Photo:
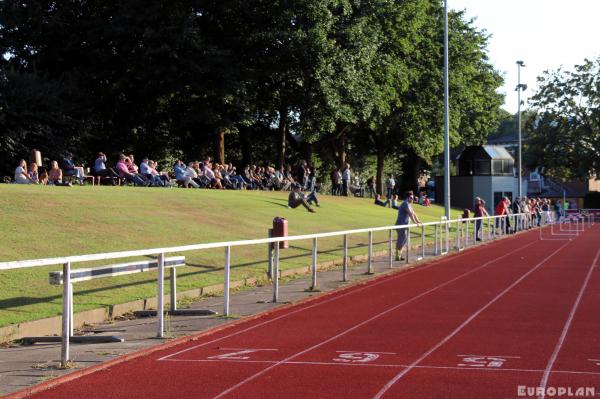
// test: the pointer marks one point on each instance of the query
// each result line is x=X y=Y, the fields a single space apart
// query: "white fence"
x=467 y=231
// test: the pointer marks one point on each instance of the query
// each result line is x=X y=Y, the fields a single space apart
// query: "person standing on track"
x=405 y=213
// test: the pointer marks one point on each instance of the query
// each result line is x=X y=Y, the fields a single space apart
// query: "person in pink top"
x=124 y=171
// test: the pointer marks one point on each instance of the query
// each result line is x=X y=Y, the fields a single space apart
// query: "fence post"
x=458 y=235
x=71 y=310
x=345 y=260
x=276 y=274
x=435 y=238
x=161 y=296
x=407 y=244
x=370 y=261
x=270 y=254
x=422 y=242
x=390 y=249
x=467 y=233
x=226 y=280
x=66 y=315
x=314 y=264
x=173 y=281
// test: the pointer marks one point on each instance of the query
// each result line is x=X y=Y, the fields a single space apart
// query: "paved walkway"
x=25 y=366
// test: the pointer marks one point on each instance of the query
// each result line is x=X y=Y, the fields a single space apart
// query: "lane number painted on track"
x=484 y=361
x=358 y=357
x=237 y=354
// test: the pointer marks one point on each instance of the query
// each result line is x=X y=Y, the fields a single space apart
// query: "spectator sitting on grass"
x=393 y=202
x=33 y=173
x=378 y=200
x=182 y=176
x=21 y=176
x=426 y=201
x=55 y=175
x=296 y=198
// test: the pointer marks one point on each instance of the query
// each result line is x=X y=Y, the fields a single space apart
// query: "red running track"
x=492 y=322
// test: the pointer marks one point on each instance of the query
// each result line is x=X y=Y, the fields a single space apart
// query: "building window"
x=482 y=168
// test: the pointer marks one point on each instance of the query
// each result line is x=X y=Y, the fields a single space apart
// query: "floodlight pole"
x=446 y=119
x=519 y=87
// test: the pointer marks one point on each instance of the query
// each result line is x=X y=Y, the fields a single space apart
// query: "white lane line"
x=387 y=386
x=565 y=330
x=351 y=291
x=361 y=324
x=506 y=357
x=390 y=365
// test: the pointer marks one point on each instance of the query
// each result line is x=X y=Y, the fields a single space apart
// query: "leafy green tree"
x=565 y=125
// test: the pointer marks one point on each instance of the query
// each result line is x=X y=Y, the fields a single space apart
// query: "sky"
x=545 y=34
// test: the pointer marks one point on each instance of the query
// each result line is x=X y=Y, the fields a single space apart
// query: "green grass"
x=43 y=222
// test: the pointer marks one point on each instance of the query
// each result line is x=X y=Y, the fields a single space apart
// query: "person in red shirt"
x=502 y=210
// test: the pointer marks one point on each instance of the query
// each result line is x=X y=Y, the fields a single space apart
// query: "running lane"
x=360 y=361
x=382 y=324
x=576 y=361
x=506 y=348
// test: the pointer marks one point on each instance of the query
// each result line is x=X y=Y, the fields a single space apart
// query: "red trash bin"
x=280 y=229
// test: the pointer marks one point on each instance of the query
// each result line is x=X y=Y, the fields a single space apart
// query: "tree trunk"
x=281 y=136
x=307 y=151
x=380 y=164
x=220 y=147
x=341 y=151
x=411 y=166
x=245 y=140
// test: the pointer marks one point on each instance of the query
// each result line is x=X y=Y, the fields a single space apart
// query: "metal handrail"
x=521 y=221
x=184 y=248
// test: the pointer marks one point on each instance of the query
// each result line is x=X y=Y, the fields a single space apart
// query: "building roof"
x=485 y=152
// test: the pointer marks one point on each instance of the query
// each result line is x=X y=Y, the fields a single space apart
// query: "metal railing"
x=484 y=229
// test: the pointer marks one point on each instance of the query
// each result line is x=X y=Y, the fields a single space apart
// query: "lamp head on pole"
x=521 y=63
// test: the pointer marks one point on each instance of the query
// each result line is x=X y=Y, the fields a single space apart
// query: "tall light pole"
x=519 y=88
x=446 y=118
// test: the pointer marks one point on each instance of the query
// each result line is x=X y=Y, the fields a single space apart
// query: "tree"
x=565 y=124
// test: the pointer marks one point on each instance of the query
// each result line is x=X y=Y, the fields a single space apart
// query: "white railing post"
x=435 y=238
x=345 y=260
x=71 y=311
x=407 y=244
x=173 y=281
x=226 y=280
x=314 y=264
x=422 y=242
x=467 y=233
x=447 y=223
x=390 y=249
x=66 y=315
x=270 y=254
x=458 y=235
x=370 y=256
x=161 y=296
x=276 y=273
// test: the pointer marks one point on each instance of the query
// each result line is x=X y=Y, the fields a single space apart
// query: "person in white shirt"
x=21 y=176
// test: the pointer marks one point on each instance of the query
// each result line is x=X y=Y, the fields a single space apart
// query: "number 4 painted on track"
x=238 y=355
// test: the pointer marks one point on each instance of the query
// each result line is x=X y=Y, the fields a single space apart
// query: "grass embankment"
x=43 y=222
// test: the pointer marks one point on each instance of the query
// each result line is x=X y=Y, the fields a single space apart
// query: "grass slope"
x=42 y=222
